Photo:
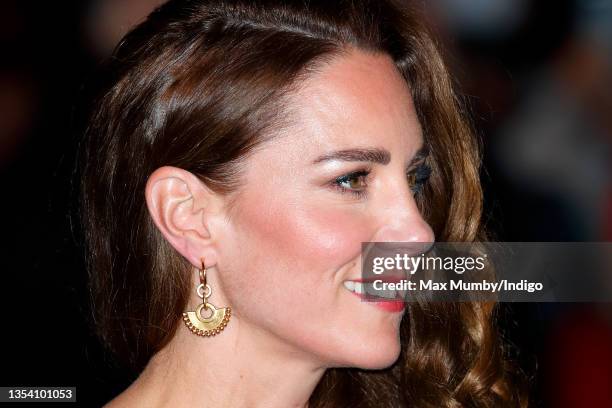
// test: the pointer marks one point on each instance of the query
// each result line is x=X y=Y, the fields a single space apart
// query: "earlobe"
x=179 y=205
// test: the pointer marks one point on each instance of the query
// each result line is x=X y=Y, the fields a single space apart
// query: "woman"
x=252 y=147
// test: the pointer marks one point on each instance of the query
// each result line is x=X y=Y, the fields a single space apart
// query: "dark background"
x=536 y=73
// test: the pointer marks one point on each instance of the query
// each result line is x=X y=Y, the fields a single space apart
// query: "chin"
x=372 y=353
x=379 y=358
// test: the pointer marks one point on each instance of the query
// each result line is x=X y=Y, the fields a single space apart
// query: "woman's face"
x=295 y=235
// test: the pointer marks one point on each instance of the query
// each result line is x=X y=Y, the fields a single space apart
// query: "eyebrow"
x=374 y=155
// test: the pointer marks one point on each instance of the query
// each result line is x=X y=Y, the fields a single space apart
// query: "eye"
x=354 y=183
x=418 y=177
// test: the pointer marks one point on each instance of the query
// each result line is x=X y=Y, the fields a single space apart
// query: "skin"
x=280 y=256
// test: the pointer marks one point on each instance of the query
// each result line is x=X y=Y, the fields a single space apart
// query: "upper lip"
x=384 y=278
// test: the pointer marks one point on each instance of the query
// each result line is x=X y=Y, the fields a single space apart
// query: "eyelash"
x=349 y=176
x=421 y=174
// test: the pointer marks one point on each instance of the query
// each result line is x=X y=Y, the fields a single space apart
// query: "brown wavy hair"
x=198 y=85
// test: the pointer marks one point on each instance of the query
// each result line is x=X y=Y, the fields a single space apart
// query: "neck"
x=240 y=367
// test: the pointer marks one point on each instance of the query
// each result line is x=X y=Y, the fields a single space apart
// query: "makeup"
x=388 y=300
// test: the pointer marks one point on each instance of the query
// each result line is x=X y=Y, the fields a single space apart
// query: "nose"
x=401 y=225
x=402 y=231
x=409 y=228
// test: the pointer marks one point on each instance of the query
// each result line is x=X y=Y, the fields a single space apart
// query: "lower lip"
x=393 y=306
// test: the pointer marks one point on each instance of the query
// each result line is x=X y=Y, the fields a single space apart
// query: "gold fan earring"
x=219 y=317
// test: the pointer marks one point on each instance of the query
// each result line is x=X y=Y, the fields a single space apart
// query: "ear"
x=183 y=208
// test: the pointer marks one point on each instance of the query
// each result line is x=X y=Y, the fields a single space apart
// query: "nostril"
x=391 y=250
x=416 y=246
x=405 y=247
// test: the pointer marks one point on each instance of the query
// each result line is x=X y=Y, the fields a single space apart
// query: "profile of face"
x=310 y=197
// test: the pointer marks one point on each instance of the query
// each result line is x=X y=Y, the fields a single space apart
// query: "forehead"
x=357 y=99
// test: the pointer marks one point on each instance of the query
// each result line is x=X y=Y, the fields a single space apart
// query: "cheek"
x=313 y=234
x=299 y=248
